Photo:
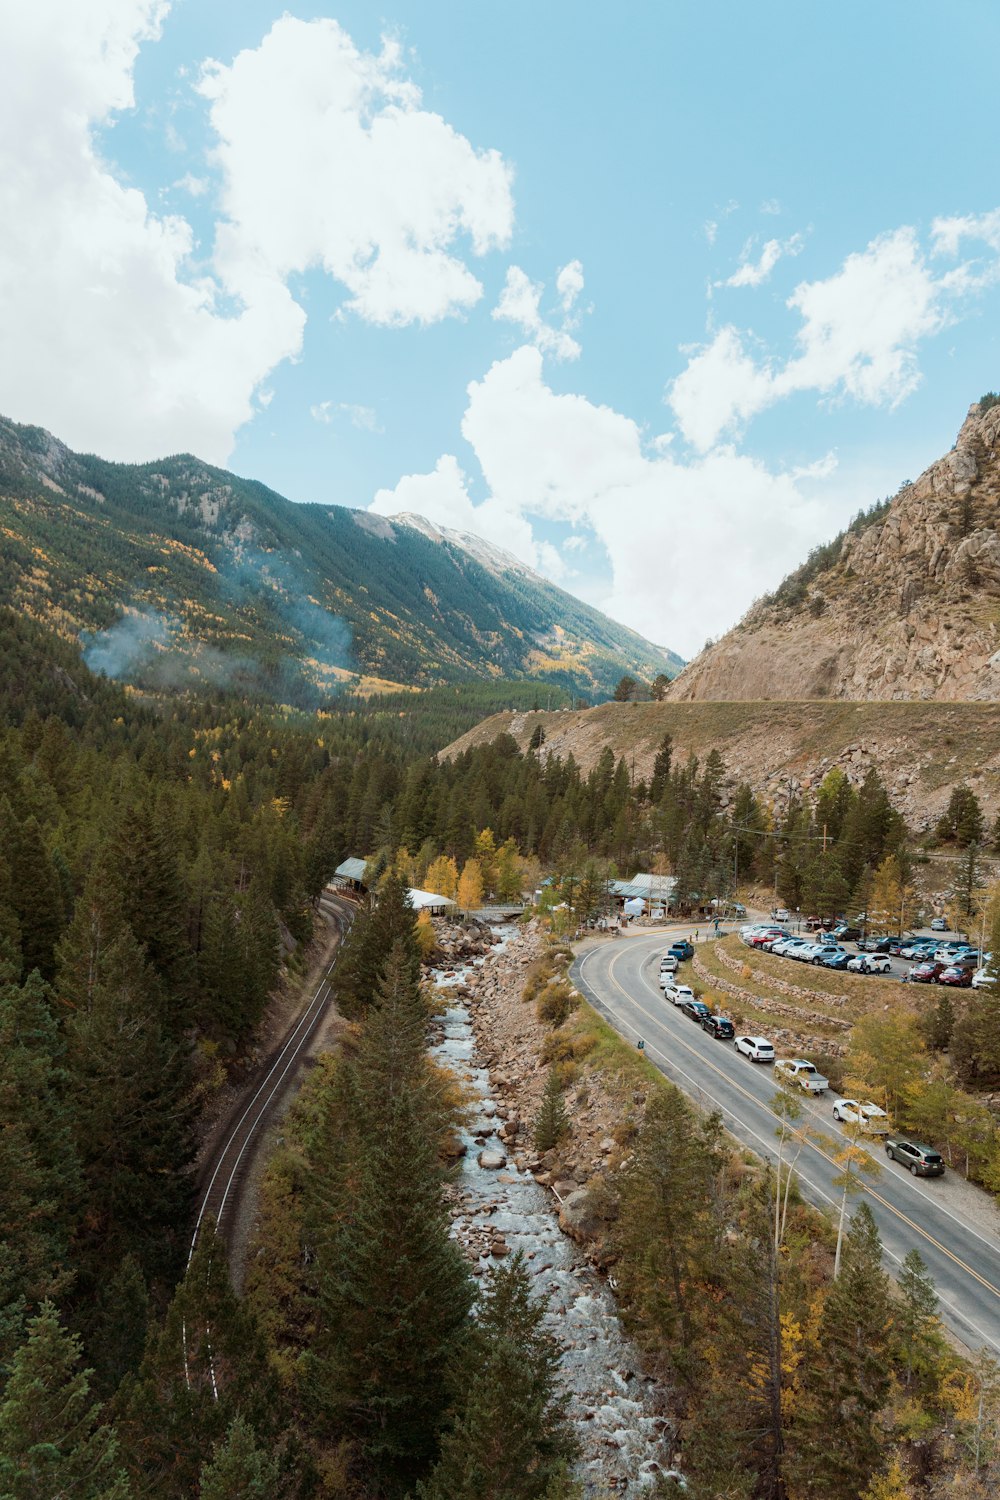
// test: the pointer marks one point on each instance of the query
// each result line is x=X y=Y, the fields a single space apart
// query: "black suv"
x=719 y=1026
x=845 y=934
x=921 y=1160
x=696 y=1009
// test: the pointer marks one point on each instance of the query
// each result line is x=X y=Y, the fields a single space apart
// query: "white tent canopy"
x=635 y=907
x=428 y=900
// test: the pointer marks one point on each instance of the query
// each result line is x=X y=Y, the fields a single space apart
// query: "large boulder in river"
x=578 y=1218
x=492 y=1161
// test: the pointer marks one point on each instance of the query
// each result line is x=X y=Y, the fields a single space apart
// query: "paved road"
x=620 y=980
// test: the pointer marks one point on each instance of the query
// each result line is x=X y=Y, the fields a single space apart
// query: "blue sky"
x=655 y=297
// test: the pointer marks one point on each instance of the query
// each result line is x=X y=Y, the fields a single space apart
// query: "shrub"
x=990 y=399
x=555 y=1002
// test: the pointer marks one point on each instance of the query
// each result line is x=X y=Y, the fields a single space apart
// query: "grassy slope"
x=938 y=744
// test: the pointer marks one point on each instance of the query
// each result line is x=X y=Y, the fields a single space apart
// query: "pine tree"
x=130 y=1088
x=240 y=1469
x=37 y=897
x=51 y=1440
x=848 y=1379
x=551 y=1124
x=665 y=1224
x=393 y=1289
x=39 y=1167
x=206 y=1364
x=386 y=920
x=917 y=1335
x=511 y=1439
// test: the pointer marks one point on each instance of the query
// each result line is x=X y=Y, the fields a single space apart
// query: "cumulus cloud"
x=128 y=341
x=121 y=347
x=442 y=496
x=755 y=273
x=329 y=161
x=858 y=337
x=520 y=303
x=559 y=457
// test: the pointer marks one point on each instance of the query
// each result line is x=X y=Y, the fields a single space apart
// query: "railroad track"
x=224 y=1174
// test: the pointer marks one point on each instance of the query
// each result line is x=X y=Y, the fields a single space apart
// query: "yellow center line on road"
x=904 y=1218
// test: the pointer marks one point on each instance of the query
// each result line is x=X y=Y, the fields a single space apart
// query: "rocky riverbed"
x=505 y=1200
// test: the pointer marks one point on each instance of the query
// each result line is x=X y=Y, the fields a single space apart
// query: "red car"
x=956 y=975
x=761 y=939
x=926 y=973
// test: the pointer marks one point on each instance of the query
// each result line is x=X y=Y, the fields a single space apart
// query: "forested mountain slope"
x=905 y=604
x=177 y=573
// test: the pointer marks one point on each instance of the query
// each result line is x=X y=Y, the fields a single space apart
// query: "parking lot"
x=899 y=969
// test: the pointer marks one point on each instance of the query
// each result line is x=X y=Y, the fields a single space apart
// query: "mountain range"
x=176 y=573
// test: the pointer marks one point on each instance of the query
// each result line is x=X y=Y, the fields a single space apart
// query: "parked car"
x=757 y=1048
x=871 y=963
x=925 y=973
x=919 y=948
x=939 y=925
x=807 y=952
x=739 y=910
x=825 y=951
x=682 y=949
x=758 y=939
x=921 y=1160
x=845 y=934
x=956 y=975
x=720 y=1027
x=678 y=993
x=802 y=1074
x=668 y=963
x=781 y=914
x=868 y=1117
x=786 y=948
x=695 y=1010
x=839 y=960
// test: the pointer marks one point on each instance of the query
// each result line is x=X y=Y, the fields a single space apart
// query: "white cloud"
x=127 y=344
x=363 y=417
x=569 y=284
x=948 y=233
x=755 y=273
x=442 y=496
x=120 y=346
x=771 y=206
x=520 y=303
x=559 y=457
x=196 y=187
x=860 y=329
x=329 y=161
x=721 y=386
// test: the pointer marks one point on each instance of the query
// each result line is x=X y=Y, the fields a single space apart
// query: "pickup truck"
x=806 y=1077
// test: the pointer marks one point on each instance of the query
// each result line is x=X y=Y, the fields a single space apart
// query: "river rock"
x=492 y=1161
x=577 y=1218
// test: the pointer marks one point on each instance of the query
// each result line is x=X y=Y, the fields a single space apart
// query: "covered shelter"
x=430 y=901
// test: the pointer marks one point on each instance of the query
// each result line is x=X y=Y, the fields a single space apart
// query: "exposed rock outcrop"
x=910 y=609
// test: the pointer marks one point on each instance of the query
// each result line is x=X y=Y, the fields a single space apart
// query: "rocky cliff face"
x=910 y=609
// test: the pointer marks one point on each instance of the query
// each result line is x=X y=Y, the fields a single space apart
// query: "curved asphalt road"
x=620 y=979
